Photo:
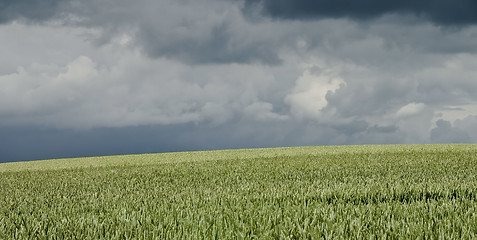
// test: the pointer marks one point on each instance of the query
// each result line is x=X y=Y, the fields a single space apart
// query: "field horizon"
x=99 y=160
x=314 y=192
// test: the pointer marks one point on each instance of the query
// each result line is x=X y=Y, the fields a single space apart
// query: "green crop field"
x=345 y=192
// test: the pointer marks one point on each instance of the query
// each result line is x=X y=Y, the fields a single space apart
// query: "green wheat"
x=346 y=192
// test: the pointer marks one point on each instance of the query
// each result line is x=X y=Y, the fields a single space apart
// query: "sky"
x=106 y=77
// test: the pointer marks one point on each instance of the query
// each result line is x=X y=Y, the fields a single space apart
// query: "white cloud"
x=308 y=97
x=263 y=111
x=410 y=109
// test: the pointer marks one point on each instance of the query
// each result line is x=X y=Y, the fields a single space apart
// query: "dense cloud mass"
x=31 y=10
x=111 y=77
x=441 y=12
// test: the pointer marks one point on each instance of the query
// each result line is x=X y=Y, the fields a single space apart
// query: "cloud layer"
x=441 y=12
x=210 y=74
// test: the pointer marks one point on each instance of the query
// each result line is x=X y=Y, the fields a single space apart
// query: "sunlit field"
x=358 y=192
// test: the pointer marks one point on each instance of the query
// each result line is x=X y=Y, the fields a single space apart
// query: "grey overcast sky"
x=101 y=77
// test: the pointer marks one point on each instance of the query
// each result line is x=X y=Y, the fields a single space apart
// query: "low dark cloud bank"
x=33 y=143
x=439 y=11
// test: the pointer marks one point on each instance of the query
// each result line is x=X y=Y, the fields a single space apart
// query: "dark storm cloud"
x=194 y=32
x=213 y=31
x=32 y=143
x=219 y=46
x=29 y=10
x=20 y=143
x=439 y=11
x=445 y=133
x=356 y=126
x=468 y=125
x=383 y=129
